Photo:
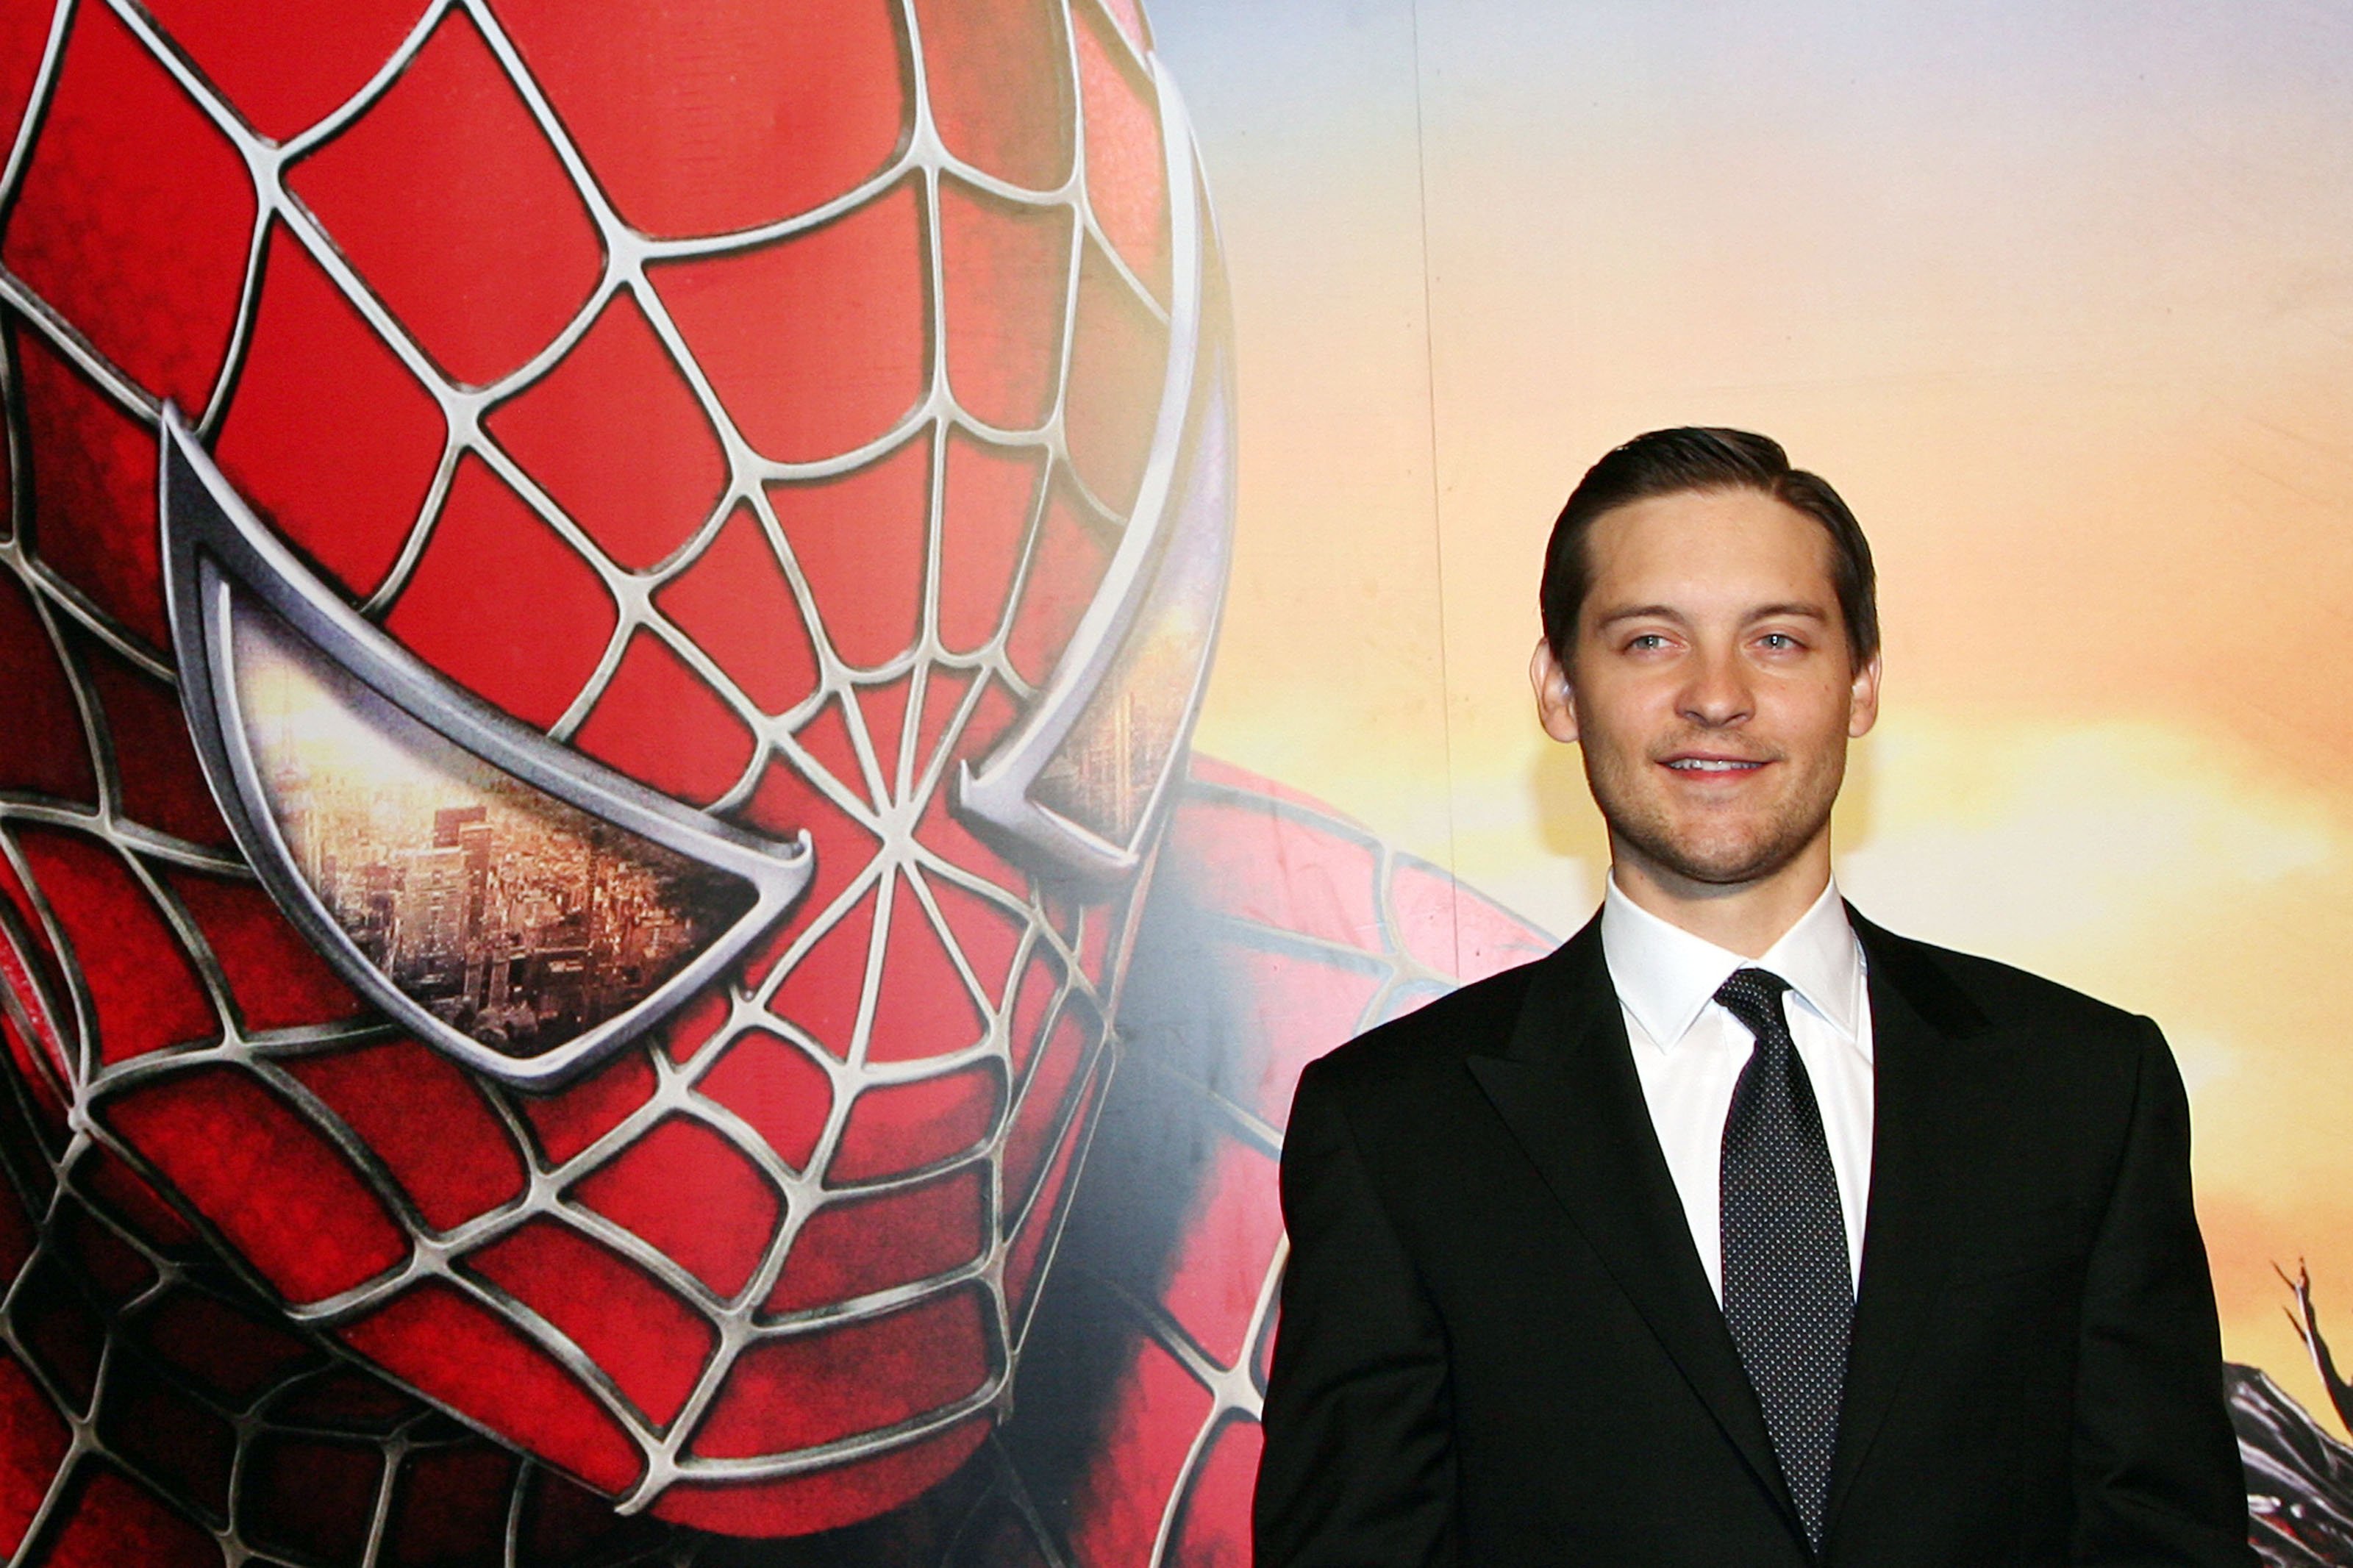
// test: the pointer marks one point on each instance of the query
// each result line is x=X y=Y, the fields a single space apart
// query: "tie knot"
x=1753 y=997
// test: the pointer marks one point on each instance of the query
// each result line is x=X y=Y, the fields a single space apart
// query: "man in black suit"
x=1739 y=1231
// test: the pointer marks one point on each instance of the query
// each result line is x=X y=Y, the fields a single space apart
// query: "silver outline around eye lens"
x=221 y=564
x=1186 y=481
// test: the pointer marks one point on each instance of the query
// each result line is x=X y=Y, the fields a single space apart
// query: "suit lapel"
x=1917 y=1015
x=1565 y=1088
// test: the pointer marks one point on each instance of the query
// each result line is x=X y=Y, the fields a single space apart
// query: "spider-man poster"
x=689 y=695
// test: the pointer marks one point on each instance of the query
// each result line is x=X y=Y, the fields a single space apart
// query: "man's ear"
x=1864 y=713
x=1555 y=701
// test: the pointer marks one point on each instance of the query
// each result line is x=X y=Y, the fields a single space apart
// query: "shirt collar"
x=1665 y=976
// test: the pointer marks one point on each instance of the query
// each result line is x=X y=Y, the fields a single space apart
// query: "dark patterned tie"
x=1788 y=1298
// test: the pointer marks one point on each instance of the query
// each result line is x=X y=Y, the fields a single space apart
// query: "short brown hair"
x=1700 y=458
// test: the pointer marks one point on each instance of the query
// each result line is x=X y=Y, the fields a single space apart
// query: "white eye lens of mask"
x=515 y=905
x=1080 y=782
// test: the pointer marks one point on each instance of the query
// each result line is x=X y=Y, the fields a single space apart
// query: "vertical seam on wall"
x=1437 y=529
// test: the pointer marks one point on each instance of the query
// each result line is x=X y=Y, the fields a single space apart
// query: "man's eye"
x=1778 y=640
x=1646 y=640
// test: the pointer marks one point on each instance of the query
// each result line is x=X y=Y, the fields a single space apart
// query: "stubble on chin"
x=1712 y=853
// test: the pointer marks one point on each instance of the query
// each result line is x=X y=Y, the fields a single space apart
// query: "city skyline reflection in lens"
x=517 y=919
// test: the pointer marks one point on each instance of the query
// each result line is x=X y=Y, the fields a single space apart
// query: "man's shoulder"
x=1970 y=992
x=1407 y=1052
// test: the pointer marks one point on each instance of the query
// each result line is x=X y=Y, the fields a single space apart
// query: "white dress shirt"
x=1688 y=1050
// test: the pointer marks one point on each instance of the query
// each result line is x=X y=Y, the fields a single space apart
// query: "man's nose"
x=1717 y=693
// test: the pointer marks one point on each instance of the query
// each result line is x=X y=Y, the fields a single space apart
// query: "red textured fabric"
x=451 y=1349
x=33 y=1442
x=1325 y=990
x=1041 y=980
x=1099 y=943
x=1007 y=273
x=1042 y=1222
x=737 y=606
x=221 y=1347
x=285 y=64
x=1127 y=168
x=860 y=1245
x=1160 y=1408
x=487 y=546
x=266 y=1179
x=774 y=1085
x=93 y=483
x=24 y=38
x=825 y=735
x=276 y=979
x=569 y=1121
x=1045 y=1101
x=347 y=1399
x=165 y=1434
x=815 y=345
x=329 y=437
x=102 y=1257
x=944 y=693
x=1213 y=1531
x=900 y=1127
x=984 y=931
x=784 y=804
x=862 y=1376
x=981 y=55
x=36 y=1067
x=163 y=784
x=449 y=200
x=1235 y=1223
x=824 y=1500
x=1274 y=869
x=47 y=751
x=694 y=1025
x=127 y=1196
x=424 y=1118
x=820 y=993
x=719 y=1235
x=990 y=493
x=704 y=120
x=882 y=708
x=134 y=214
x=16 y=1238
x=922 y=1007
x=661 y=724
x=61 y=1335
x=1452 y=929
x=562 y=1521
x=1065 y=564
x=111 y=1522
x=450 y=1508
x=860 y=541
x=1131 y=20
x=1119 y=356
x=614 y=434
x=142 y=988
x=945 y=836
x=651 y=1343
x=313 y=1499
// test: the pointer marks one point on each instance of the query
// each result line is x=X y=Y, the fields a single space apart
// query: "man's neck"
x=1746 y=918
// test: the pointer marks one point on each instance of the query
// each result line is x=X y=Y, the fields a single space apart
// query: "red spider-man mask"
x=687 y=548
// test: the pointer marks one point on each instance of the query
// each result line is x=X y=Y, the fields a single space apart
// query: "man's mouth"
x=1714 y=764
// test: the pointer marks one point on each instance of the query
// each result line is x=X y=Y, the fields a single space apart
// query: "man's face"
x=1711 y=685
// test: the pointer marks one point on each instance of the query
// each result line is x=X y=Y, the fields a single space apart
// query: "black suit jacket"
x=1497 y=1346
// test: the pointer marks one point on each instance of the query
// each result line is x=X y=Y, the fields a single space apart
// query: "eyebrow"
x=1668 y=613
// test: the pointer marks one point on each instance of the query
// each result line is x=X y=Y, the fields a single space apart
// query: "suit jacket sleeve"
x=1358 y=1468
x=2157 y=1479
